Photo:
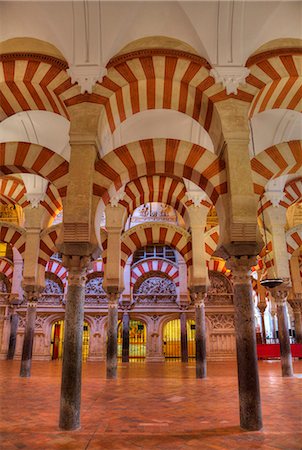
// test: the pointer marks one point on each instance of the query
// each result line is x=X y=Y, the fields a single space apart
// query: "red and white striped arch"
x=158 y=188
x=155 y=265
x=293 y=239
x=276 y=77
x=56 y=268
x=149 y=157
x=281 y=159
x=7 y=268
x=218 y=265
x=16 y=157
x=13 y=191
x=157 y=79
x=293 y=194
x=210 y=241
x=13 y=235
x=159 y=233
x=48 y=239
x=33 y=82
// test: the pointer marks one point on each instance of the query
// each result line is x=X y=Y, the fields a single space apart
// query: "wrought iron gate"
x=57 y=339
x=137 y=339
x=171 y=339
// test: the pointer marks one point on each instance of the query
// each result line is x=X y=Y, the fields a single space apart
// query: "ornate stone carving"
x=86 y=75
x=155 y=290
x=94 y=286
x=221 y=321
x=3 y=287
x=230 y=77
x=219 y=291
x=51 y=287
x=156 y=285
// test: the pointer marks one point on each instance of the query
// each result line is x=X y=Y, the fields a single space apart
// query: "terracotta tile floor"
x=150 y=406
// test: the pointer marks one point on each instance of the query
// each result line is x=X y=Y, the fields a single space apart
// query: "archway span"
x=160 y=156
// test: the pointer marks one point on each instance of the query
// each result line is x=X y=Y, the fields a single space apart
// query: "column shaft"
x=72 y=354
x=125 y=345
x=111 y=367
x=183 y=337
x=263 y=332
x=247 y=364
x=28 y=339
x=14 y=320
x=200 y=337
x=283 y=335
x=298 y=326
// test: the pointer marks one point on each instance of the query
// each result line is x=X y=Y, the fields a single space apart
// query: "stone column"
x=31 y=293
x=125 y=345
x=247 y=364
x=262 y=308
x=200 y=335
x=183 y=337
x=111 y=367
x=72 y=348
x=14 y=320
x=280 y=296
x=296 y=305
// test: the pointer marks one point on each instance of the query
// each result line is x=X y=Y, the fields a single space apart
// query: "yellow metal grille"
x=57 y=340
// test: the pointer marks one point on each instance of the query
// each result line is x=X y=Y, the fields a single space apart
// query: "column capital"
x=262 y=307
x=198 y=295
x=32 y=294
x=296 y=304
x=280 y=294
x=113 y=298
x=240 y=268
x=77 y=268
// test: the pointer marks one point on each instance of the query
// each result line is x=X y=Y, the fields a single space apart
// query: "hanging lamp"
x=273 y=282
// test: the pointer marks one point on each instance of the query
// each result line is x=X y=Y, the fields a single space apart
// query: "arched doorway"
x=137 y=339
x=57 y=339
x=172 y=342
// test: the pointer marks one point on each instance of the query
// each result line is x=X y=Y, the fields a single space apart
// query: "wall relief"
x=220 y=290
x=94 y=286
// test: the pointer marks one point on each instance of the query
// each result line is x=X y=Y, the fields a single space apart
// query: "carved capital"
x=32 y=294
x=241 y=268
x=262 y=307
x=230 y=77
x=113 y=298
x=296 y=305
x=86 y=75
x=77 y=269
x=280 y=295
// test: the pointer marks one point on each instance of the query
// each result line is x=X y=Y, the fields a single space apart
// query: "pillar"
x=262 y=308
x=111 y=366
x=70 y=404
x=183 y=337
x=247 y=364
x=200 y=335
x=125 y=345
x=14 y=320
x=31 y=293
x=297 y=309
x=280 y=296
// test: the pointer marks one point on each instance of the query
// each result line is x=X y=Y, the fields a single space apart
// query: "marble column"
x=247 y=364
x=280 y=296
x=183 y=337
x=262 y=308
x=14 y=320
x=296 y=305
x=70 y=405
x=31 y=294
x=200 y=336
x=111 y=361
x=125 y=344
